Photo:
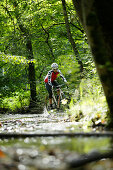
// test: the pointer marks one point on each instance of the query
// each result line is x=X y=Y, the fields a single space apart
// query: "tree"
x=71 y=40
x=31 y=68
x=96 y=17
x=25 y=32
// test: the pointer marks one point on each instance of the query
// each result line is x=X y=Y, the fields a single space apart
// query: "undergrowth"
x=88 y=104
x=17 y=101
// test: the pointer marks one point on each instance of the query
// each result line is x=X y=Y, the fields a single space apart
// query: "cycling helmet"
x=54 y=66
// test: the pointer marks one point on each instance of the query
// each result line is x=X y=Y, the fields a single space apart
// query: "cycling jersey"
x=51 y=76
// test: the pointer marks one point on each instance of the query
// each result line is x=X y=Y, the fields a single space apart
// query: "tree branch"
x=47 y=41
x=77 y=27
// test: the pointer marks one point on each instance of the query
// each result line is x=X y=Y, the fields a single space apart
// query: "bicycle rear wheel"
x=47 y=102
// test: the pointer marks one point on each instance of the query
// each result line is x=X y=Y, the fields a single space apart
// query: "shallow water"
x=48 y=152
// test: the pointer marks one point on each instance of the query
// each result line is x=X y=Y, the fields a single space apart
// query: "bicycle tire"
x=48 y=105
x=47 y=102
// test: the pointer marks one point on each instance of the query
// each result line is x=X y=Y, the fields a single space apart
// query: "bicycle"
x=60 y=101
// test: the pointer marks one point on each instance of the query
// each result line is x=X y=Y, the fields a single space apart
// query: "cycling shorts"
x=49 y=88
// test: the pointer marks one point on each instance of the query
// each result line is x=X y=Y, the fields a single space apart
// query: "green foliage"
x=69 y=68
x=16 y=101
x=13 y=76
x=43 y=23
x=88 y=103
x=14 y=59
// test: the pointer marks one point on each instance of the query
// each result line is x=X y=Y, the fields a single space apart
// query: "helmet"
x=54 y=66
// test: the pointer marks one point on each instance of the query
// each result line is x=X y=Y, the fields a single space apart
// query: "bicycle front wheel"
x=47 y=104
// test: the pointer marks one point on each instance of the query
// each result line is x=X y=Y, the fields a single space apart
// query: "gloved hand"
x=52 y=86
x=66 y=81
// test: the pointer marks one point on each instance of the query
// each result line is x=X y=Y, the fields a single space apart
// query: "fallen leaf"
x=2 y=154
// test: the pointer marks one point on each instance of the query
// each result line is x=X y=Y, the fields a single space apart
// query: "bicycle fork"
x=58 y=102
x=53 y=96
x=59 y=98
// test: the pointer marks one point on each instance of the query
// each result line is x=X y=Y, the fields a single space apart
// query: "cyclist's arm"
x=63 y=78
x=49 y=78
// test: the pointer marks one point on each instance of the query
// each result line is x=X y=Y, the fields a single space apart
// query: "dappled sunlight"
x=87 y=110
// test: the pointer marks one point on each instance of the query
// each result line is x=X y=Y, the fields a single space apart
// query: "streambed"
x=32 y=153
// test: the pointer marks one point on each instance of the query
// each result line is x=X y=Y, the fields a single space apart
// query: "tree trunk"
x=97 y=20
x=32 y=85
x=71 y=40
x=31 y=70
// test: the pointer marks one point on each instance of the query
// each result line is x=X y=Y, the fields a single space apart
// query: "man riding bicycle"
x=50 y=80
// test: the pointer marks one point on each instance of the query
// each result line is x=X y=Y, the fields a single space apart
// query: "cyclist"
x=50 y=80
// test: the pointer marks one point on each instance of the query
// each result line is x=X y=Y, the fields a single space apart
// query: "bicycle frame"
x=57 y=102
x=53 y=96
x=60 y=94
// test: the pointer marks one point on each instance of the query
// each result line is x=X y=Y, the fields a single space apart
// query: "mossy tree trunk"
x=32 y=80
x=97 y=20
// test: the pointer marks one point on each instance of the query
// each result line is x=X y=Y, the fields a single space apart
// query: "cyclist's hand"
x=65 y=80
x=52 y=86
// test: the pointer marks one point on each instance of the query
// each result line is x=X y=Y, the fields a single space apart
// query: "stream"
x=51 y=152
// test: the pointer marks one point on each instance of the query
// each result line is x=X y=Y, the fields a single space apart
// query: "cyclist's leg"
x=55 y=84
x=49 y=89
x=58 y=98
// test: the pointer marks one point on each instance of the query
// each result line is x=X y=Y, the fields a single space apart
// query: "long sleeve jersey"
x=51 y=76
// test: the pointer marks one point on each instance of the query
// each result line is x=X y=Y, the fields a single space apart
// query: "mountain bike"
x=61 y=101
